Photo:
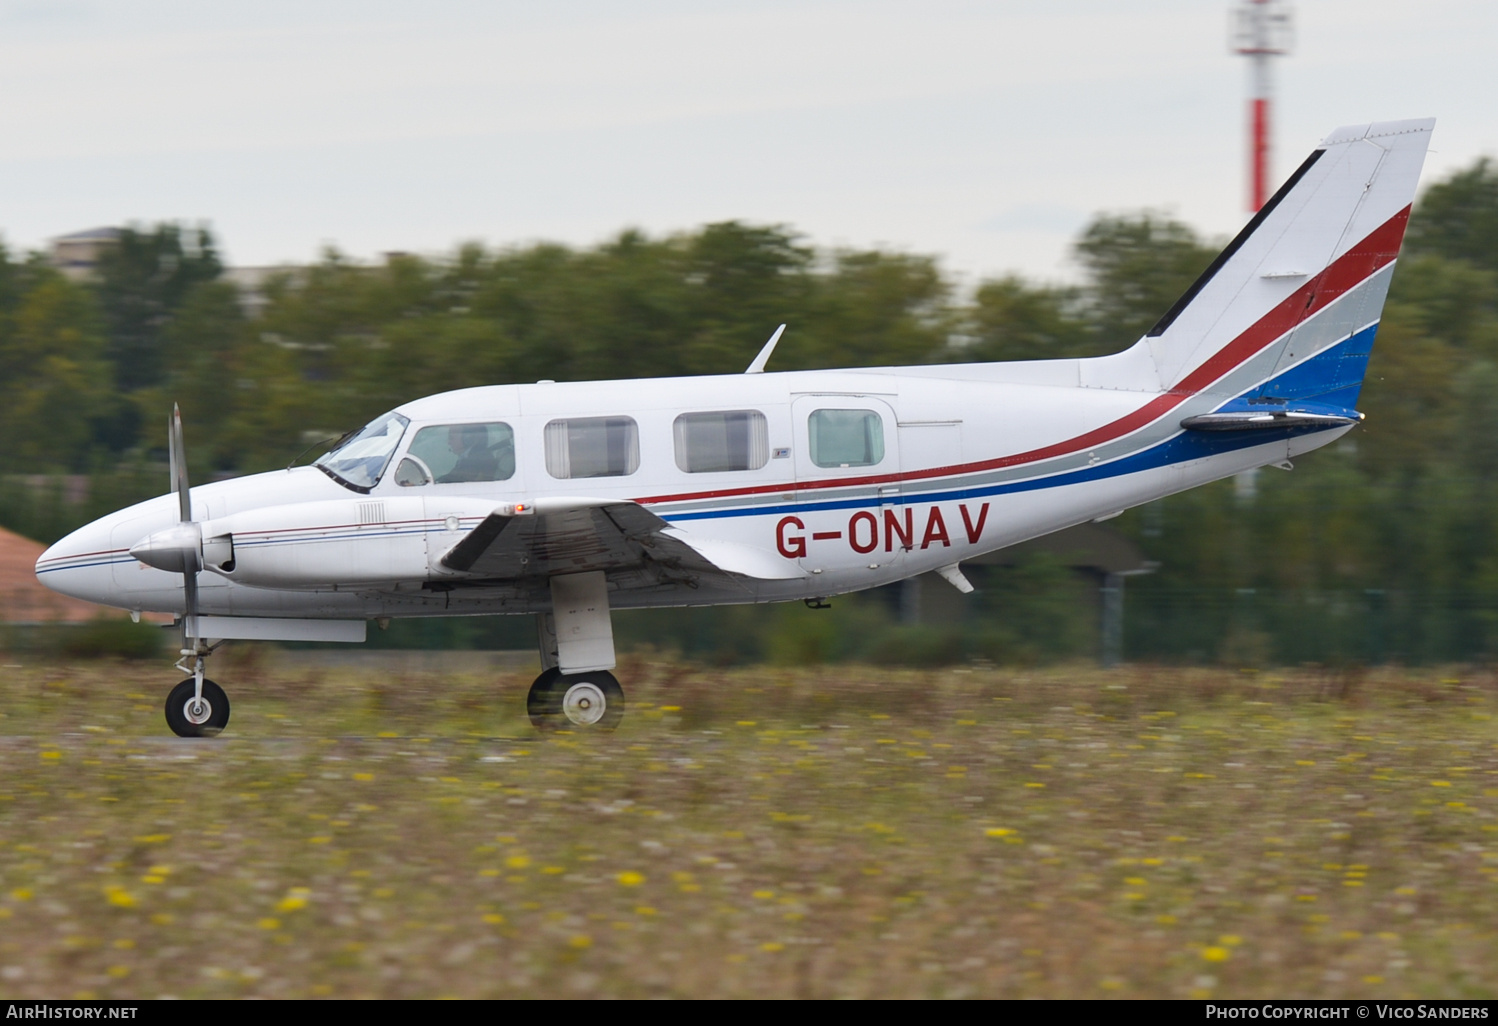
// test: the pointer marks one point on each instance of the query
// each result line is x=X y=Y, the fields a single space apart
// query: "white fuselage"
x=974 y=458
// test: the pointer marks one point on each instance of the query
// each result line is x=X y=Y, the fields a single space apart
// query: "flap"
x=586 y=535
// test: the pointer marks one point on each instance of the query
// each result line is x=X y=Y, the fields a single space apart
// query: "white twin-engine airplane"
x=565 y=501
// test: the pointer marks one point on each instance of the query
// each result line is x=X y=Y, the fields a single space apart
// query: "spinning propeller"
x=197 y=706
x=178 y=549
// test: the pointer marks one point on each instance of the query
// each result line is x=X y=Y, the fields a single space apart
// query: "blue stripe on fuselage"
x=1329 y=376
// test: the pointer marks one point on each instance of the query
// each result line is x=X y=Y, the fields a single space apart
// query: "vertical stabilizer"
x=1308 y=273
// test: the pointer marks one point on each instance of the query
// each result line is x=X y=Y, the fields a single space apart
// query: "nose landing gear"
x=197 y=707
x=191 y=715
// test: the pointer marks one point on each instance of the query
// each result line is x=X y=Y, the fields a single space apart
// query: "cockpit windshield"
x=359 y=462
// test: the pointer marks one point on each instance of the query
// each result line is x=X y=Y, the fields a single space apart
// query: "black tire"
x=575 y=701
x=177 y=711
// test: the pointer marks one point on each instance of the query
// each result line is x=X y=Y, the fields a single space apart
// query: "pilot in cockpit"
x=476 y=461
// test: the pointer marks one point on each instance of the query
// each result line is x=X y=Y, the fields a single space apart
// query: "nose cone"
x=81 y=565
x=178 y=549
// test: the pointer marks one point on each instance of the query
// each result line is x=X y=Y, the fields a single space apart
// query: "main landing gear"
x=576 y=691
x=575 y=700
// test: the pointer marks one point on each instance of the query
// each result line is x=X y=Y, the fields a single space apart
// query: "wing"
x=636 y=548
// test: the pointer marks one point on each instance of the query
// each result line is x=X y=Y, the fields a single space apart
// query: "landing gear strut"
x=576 y=691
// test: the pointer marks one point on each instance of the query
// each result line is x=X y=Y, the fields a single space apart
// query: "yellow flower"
x=21 y=894
x=1216 y=954
x=517 y=861
x=364 y=777
x=269 y=923
x=295 y=899
x=998 y=832
x=1230 y=940
x=51 y=755
x=493 y=917
x=629 y=878
x=119 y=897
x=581 y=941
x=772 y=946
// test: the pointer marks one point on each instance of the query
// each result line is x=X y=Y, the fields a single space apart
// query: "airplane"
x=565 y=501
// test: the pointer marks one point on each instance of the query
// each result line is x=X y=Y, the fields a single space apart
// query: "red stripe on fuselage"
x=1351 y=269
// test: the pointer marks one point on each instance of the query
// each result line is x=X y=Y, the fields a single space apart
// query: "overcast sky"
x=986 y=133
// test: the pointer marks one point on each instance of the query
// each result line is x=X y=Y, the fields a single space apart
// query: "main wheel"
x=577 y=701
x=191 y=719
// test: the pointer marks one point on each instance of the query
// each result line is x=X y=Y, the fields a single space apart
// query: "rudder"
x=1289 y=309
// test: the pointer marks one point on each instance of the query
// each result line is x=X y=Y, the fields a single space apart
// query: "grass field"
x=840 y=831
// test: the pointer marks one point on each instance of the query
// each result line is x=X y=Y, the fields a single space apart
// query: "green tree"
x=1458 y=218
x=1137 y=266
x=53 y=379
x=141 y=281
x=1010 y=319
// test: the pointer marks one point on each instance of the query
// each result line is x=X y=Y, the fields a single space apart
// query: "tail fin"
x=1289 y=309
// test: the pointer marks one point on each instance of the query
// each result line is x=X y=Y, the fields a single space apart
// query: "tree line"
x=1381 y=547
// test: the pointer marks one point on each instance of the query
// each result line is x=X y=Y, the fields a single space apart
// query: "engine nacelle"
x=340 y=543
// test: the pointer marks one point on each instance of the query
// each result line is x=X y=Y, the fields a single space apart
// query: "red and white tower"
x=1260 y=30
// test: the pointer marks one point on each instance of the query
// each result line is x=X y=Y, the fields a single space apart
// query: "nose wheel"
x=192 y=715
x=575 y=701
x=197 y=707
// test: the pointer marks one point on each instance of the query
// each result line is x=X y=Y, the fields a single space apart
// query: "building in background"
x=77 y=255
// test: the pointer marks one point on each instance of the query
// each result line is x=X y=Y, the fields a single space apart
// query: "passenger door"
x=847 y=462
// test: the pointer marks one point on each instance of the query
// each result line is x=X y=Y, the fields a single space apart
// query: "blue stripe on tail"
x=1332 y=377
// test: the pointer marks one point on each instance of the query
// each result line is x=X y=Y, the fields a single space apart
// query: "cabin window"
x=361 y=458
x=592 y=447
x=459 y=453
x=846 y=438
x=409 y=473
x=708 y=443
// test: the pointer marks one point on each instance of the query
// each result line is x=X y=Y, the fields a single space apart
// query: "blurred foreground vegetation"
x=836 y=832
x=1382 y=548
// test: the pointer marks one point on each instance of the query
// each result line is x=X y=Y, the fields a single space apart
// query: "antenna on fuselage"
x=758 y=366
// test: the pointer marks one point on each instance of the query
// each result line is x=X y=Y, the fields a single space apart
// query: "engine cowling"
x=321 y=545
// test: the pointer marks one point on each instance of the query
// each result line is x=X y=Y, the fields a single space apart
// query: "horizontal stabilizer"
x=1258 y=415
